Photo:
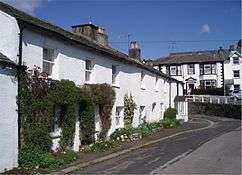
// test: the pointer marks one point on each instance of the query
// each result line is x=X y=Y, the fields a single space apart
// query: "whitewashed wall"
x=8 y=91
x=8 y=120
x=9 y=38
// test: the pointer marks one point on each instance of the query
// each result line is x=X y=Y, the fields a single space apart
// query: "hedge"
x=220 y=110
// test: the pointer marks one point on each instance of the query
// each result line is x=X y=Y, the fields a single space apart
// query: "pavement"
x=216 y=149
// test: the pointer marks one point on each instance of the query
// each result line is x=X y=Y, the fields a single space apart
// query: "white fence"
x=213 y=99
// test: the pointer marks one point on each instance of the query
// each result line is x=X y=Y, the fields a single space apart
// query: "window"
x=191 y=69
x=236 y=88
x=175 y=70
x=156 y=84
x=235 y=60
x=142 y=117
x=153 y=106
x=48 y=60
x=208 y=83
x=142 y=80
x=88 y=70
x=58 y=111
x=236 y=73
x=118 y=115
x=207 y=69
x=114 y=74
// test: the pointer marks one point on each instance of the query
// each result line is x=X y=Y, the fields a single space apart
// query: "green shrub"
x=29 y=156
x=123 y=133
x=146 y=129
x=170 y=123
x=102 y=145
x=39 y=138
x=170 y=113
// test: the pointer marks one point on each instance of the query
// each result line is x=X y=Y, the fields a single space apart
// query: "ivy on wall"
x=65 y=94
x=103 y=96
x=129 y=106
x=38 y=98
x=35 y=111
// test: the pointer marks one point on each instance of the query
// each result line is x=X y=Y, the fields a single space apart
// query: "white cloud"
x=28 y=6
x=205 y=28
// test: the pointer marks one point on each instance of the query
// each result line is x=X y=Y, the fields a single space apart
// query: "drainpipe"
x=169 y=93
x=19 y=71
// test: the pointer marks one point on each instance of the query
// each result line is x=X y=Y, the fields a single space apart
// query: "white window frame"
x=118 y=116
x=173 y=70
x=142 y=116
x=157 y=84
x=48 y=60
x=237 y=89
x=237 y=73
x=115 y=78
x=88 y=71
x=191 y=69
x=235 y=60
x=142 y=79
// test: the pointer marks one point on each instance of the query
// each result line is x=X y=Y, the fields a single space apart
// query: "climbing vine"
x=129 y=106
x=103 y=96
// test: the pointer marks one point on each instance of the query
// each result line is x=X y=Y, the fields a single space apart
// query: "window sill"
x=116 y=85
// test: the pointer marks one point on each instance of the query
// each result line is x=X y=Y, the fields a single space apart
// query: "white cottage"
x=82 y=56
x=216 y=68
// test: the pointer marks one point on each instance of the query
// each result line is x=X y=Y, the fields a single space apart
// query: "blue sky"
x=156 y=24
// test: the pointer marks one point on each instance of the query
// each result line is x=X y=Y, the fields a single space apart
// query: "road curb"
x=110 y=156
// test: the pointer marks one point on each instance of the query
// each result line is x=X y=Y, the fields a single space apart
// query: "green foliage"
x=122 y=134
x=32 y=157
x=87 y=118
x=102 y=145
x=170 y=123
x=35 y=110
x=39 y=137
x=103 y=96
x=129 y=106
x=65 y=93
x=170 y=113
x=146 y=129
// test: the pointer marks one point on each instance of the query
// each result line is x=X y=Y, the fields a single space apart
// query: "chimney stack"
x=134 y=50
x=93 y=32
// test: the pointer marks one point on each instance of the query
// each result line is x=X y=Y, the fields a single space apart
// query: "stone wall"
x=220 y=110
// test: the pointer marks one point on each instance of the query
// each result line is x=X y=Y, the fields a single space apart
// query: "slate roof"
x=78 y=39
x=5 y=59
x=193 y=57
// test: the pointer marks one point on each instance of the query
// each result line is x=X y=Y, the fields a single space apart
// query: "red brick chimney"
x=134 y=50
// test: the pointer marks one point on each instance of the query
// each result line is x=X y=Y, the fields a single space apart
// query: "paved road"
x=162 y=157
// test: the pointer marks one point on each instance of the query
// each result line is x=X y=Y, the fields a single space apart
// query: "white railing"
x=213 y=99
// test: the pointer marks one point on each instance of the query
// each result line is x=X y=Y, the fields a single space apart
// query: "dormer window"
x=48 y=61
x=88 y=72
